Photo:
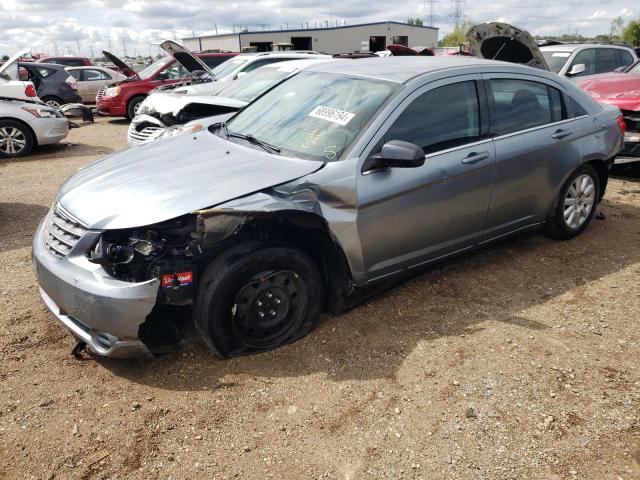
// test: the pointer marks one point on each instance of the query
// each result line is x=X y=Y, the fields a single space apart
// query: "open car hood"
x=402 y=51
x=172 y=177
x=185 y=57
x=126 y=69
x=501 y=41
x=13 y=59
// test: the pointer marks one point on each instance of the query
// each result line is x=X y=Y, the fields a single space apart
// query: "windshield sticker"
x=561 y=54
x=332 y=115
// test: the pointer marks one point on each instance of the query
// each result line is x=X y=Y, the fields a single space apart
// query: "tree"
x=632 y=33
x=617 y=28
x=458 y=36
x=415 y=21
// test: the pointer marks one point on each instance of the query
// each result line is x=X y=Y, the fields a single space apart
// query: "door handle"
x=559 y=134
x=475 y=157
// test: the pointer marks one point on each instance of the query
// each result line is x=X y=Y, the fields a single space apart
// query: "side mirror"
x=621 y=69
x=399 y=154
x=577 y=69
x=240 y=75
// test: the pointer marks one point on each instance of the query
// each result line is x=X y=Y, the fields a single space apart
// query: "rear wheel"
x=576 y=204
x=257 y=297
x=53 y=102
x=134 y=106
x=15 y=139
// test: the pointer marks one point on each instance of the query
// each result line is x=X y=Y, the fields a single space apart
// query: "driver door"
x=411 y=216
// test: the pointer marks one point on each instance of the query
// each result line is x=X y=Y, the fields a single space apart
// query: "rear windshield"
x=555 y=59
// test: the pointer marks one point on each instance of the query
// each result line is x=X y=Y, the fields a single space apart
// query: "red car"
x=123 y=99
x=621 y=89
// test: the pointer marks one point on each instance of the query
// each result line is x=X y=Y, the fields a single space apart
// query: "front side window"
x=214 y=61
x=441 y=118
x=588 y=59
x=254 y=84
x=77 y=74
x=313 y=115
x=522 y=104
x=229 y=66
x=625 y=58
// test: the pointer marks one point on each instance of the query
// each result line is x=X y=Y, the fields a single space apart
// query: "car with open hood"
x=621 y=89
x=25 y=124
x=122 y=99
x=347 y=175
x=169 y=112
x=11 y=85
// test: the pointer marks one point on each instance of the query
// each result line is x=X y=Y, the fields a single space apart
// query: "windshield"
x=312 y=115
x=227 y=67
x=153 y=68
x=555 y=59
x=254 y=84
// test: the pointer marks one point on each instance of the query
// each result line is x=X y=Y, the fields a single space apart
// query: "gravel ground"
x=519 y=361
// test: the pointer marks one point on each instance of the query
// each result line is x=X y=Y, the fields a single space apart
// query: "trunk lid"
x=5 y=66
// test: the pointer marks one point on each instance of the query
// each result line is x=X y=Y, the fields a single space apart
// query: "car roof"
x=402 y=69
x=292 y=65
x=257 y=55
x=571 y=47
x=217 y=54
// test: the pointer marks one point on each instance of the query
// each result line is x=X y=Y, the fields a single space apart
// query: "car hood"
x=126 y=69
x=185 y=57
x=172 y=177
x=164 y=103
x=501 y=41
x=621 y=89
x=13 y=60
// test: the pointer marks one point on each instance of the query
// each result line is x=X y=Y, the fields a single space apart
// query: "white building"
x=366 y=37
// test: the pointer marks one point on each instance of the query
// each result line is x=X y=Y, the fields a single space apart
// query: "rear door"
x=93 y=80
x=535 y=148
x=409 y=216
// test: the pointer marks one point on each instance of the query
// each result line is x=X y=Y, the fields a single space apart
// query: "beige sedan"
x=91 y=79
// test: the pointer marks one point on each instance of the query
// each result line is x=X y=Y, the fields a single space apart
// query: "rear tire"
x=15 y=139
x=53 y=102
x=576 y=204
x=133 y=106
x=256 y=297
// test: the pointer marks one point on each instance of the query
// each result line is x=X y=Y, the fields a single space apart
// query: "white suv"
x=582 y=59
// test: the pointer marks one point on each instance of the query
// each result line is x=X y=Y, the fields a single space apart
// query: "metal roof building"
x=367 y=37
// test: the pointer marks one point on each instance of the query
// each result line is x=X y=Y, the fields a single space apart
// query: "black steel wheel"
x=257 y=297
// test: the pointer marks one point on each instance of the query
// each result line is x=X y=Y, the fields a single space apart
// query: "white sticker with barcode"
x=332 y=115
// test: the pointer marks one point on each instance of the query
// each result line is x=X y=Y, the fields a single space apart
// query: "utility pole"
x=91 y=50
x=78 y=46
x=457 y=12
x=124 y=45
x=55 y=47
x=432 y=4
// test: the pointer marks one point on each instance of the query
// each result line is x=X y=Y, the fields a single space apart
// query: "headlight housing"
x=112 y=92
x=41 y=112
x=181 y=130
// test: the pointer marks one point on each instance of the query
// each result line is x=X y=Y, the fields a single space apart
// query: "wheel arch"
x=305 y=231
x=602 y=168
x=33 y=133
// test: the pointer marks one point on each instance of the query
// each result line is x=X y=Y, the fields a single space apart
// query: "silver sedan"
x=345 y=176
x=25 y=124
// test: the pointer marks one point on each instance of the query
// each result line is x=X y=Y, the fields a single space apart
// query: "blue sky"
x=102 y=24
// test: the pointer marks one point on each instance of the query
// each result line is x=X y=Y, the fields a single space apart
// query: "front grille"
x=632 y=120
x=100 y=94
x=146 y=134
x=61 y=232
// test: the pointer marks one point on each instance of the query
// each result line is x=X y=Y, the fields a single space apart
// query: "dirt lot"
x=520 y=361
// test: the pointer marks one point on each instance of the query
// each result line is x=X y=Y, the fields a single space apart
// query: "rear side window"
x=522 y=104
x=94 y=75
x=441 y=118
x=75 y=74
x=45 y=72
x=606 y=60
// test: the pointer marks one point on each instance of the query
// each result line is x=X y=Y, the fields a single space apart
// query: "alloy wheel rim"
x=53 y=103
x=579 y=201
x=12 y=140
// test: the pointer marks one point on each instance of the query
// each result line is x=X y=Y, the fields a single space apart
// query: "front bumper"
x=104 y=312
x=111 y=107
x=49 y=130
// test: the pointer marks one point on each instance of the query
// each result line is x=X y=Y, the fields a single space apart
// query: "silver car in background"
x=344 y=176
x=25 y=124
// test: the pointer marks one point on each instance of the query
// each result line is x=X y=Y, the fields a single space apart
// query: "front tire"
x=257 y=297
x=15 y=139
x=576 y=204
x=133 y=106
